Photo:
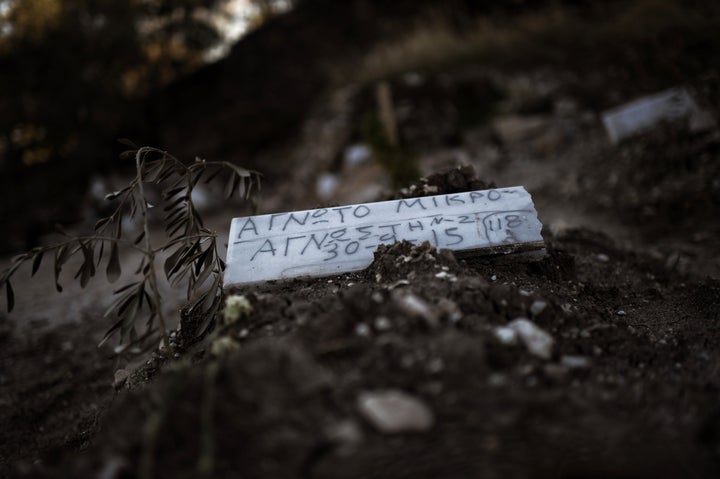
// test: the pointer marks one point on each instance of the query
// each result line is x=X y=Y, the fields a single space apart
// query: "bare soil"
x=629 y=292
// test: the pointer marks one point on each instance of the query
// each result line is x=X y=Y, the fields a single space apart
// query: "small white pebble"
x=506 y=335
x=382 y=323
x=362 y=329
x=537 y=307
x=493 y=277
x=575 y=362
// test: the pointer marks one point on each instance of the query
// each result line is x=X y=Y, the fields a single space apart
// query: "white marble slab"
x=639 y=115
x=334 y=240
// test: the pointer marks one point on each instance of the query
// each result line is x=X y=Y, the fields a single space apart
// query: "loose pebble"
x=413 y=305
x=537 y=307
x=575 y=362
x=362 y=329
x=382 y=323
x=394 y=412
x=506 y=335
x=236 y=307
x=121 y=376
x=536 y=340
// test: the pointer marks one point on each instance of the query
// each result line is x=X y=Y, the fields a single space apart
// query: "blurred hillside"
x=83 y=74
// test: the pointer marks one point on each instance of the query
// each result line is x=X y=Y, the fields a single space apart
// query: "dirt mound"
x=627 y=369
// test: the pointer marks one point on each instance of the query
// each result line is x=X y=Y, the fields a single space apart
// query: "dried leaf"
x=213 y=175
x=118 y=225
x=124 y=288
x=172 y=260
x=61 y=256
x=102 y=222
x=177 y=229
x=10 y=296
x=128 y=154
x=204 y=275
x=113 y=195
x=175 y=203
x=170 y=192
x=87 y=270
x=59 y=229
x=37 y=259
x=239 y=170
x=101 y=250
x=109 y=332
x=231 y=186
x=113 y=270
x=128 y=143
x=154 y=167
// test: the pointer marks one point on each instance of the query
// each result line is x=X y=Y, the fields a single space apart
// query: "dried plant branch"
x=193 y=253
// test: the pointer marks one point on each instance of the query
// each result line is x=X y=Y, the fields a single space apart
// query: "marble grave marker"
x=334 y=240
x=639 y=115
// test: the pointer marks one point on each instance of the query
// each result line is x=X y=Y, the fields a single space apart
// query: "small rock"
x=506 y=335
x=575 y=362
x=362 y=329
x=537 y=307
x=355 y=155
x=413 y=305
x=621 y=313
x=603 y=258
x=536 y=340
x=393 y=412
x=382 y=323
x=121 y=376
x=236 y=307
x=445 y=275
x=326 y=185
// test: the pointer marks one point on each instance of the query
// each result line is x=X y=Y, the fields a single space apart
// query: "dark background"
x=77 y=75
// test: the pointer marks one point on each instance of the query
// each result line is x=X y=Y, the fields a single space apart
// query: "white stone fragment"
x=536 y=340
x=236 y=307
x=537 y=307
x=328 y=241
x=327 y=185
x=506 y=335
x=356 y=155
x=642 y=114
x=414 y=306
x=393 y=412
x=575 y=362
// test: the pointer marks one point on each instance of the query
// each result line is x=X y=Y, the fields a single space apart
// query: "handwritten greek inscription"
x=328 y=241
